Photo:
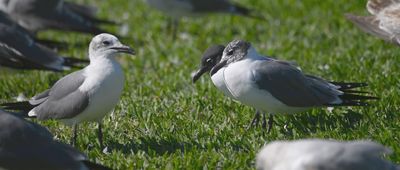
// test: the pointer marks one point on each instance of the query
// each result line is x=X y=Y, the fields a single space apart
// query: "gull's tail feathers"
x=18 y=108
x=351 y=97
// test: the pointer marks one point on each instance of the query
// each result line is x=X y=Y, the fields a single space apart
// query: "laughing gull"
x=85 y=95
x=384 y=21
x=25 y=145
x=36 y=15
x=317 y=154
x=187 y=8
x=19 y=50
x=271 y=85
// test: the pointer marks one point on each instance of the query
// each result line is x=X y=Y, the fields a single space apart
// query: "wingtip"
x=349 y=15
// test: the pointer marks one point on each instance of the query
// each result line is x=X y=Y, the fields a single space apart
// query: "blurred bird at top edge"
x=177 y=9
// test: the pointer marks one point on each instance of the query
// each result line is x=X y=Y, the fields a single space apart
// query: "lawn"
x=164 y=121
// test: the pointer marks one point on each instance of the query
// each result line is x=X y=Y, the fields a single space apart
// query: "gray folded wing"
x=64 y=100
x=289 y=85
x=25 y=145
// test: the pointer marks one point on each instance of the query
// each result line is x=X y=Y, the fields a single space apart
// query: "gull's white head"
x=234 y=51
x=107 y=45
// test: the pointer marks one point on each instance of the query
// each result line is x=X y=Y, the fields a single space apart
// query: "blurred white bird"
x=384 y=21
x=316 y=154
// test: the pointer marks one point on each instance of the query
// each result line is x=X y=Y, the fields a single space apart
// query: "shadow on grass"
x=311 y=123
x=153 y=145
x=168 y=146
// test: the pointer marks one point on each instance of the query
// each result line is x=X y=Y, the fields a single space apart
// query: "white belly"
x=104 y=94
x=240 y=82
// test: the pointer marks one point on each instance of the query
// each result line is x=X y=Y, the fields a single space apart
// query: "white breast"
x=104 y=86
x=219 y=81
x=239 y=80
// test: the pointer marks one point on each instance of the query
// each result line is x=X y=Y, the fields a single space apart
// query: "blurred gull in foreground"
x=37 y=15
x=271 y=85
x=8 y=21
x=315 y=154
x=384 y=21
x=19 y=50
x=25 y=145
x=85 y=95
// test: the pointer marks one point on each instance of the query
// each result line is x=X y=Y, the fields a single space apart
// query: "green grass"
x=165 y=122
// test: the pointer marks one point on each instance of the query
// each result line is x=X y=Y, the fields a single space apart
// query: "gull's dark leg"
x=175 y=25
x=172 y=27
x=255 y=120
x=100 y=135
x=169 y=25
x=270 y=122
x=264 y=123
x=75 y=135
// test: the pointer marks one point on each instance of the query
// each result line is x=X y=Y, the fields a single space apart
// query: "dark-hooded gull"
x=85 y=95
x=272 y=85
x=25 y=145
x=384 y=21
x=317 y=154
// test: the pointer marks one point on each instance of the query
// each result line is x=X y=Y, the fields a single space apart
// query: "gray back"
x=288 y=84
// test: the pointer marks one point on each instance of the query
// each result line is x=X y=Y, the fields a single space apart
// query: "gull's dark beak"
x=198 y=73
x=124 y=49
x=217 y=67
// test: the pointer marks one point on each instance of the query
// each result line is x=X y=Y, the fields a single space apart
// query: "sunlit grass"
x=164 y=121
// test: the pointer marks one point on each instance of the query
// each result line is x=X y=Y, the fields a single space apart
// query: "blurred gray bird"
x=85 y=95
x=37 y=15
x=271 y=85
x=7 y=20
x=187 y=8
x=316 y=154
x=384 y=21
x=25 y=145
x=19 y=50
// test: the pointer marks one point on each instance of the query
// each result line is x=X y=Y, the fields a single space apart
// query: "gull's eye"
x=230 y=52
x=208 y=60
x=106 y=43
